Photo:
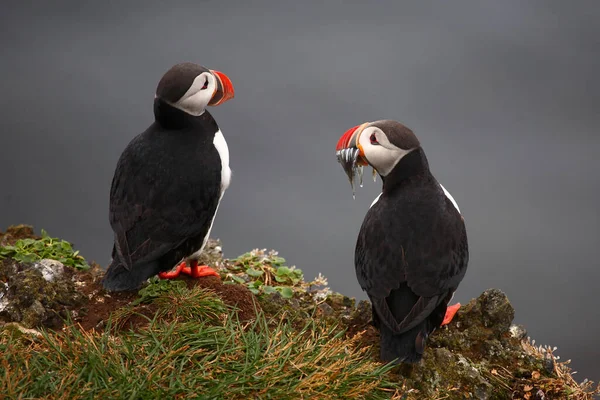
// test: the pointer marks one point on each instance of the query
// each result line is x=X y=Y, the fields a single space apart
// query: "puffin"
x=169 y=181
x=411 y=252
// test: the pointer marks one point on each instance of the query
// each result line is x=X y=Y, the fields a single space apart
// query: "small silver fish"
x=348 y=158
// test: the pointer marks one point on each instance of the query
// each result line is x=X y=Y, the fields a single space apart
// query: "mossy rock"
x=16 y=232
x=33 y=297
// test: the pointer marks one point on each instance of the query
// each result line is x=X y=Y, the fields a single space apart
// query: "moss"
x=274 y=304
x=18 y=332
x=33 y=301
x=443 y=372
x=17 y=232
x=339 y=301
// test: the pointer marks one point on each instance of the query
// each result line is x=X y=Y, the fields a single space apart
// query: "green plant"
x=157 y=288
x=31 y=250
x=264 y=273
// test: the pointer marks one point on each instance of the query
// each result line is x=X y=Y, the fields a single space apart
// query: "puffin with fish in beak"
x=412 y=251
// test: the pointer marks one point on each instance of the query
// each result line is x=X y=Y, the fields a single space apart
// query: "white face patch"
x=449 y=196
x=197 y=97
x=382 y=156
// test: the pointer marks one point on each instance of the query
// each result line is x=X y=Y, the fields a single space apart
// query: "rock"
x=325 y=310
x=491 y=310
x=518 y=332
x=539 y=395
x=496 y=310
x=50 y=269
x=362 y=314
x=212 y=254
x=36 y=295
x=339 y=301
x=3 y=292
x=273 y=303
x=442 y=368
x=548 y=364
x=21 y=330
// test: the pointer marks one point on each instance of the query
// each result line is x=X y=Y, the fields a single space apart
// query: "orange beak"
x=344 y=141
x=224 y=90
x=350 y=140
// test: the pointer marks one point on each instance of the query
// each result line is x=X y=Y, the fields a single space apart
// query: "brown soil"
x=237 y=296
x=102 y=304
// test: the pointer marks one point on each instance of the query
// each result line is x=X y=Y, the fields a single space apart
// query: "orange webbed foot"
x=172 y=274
x=450 y=313
x=197 y=271
x=194 y=270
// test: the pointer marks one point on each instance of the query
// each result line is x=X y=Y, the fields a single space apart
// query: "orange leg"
x=172 y=274
x=450 y=313
x=194 y=270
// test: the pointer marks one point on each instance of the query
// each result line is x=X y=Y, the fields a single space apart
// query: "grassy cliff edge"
x=259 y=331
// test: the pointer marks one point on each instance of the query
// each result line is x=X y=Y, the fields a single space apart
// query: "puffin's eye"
x=205 y=84
x=373 y=139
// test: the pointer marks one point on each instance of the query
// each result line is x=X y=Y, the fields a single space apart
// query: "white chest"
x=447 y=193
x=449 y=196
x=221 y=146
x=376 y=200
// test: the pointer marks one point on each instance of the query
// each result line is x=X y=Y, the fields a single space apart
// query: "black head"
x=381 y=144
x=191 y=88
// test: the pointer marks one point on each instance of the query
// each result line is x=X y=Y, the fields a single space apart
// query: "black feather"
x=411 y=255
x=164 y=194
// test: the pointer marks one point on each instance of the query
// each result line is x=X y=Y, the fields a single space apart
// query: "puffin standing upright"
x=412 y=251
x=169 y=181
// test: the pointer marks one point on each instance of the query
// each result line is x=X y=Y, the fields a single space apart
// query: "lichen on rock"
x=212 y=255
x=36 y=294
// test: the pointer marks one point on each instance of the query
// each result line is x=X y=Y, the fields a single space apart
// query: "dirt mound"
x=237 y=296
x=102 y=304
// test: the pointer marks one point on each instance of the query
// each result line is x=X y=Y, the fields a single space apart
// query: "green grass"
x=193 y=347
x=31 y=250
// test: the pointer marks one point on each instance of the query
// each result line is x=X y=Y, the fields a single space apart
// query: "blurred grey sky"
x=503 y=96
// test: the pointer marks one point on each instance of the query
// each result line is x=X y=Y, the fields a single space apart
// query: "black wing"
x=151 y=215
x=414 y=260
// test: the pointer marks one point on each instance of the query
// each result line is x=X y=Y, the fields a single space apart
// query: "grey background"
x=504 y=97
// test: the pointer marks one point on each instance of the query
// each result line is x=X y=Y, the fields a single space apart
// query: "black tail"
x=409 y=346
x=119 y=278
x=404 y=348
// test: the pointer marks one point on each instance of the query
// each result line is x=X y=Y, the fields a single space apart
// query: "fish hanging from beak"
x=351 y=156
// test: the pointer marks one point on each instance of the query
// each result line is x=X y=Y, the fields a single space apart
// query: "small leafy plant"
x=31 y=250
x=157 y=288
x=264 y=272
